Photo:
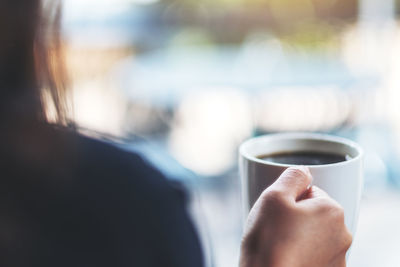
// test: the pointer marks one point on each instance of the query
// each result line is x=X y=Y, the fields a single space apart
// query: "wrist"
x=254 y=256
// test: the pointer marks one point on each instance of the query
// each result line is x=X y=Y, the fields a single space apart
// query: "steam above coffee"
x=304 y=158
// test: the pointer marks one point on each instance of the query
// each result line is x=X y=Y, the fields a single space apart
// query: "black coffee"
x=304 y=158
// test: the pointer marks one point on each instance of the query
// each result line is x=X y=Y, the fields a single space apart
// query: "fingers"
x=293 y=182
x=318 y=199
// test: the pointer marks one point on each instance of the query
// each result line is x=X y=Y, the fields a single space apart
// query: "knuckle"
x=338 y=214
x=348 y=240
x=325 y=205
x=274 y=196
x=335 y=211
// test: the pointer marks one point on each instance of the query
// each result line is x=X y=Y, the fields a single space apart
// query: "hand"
x=295 y=225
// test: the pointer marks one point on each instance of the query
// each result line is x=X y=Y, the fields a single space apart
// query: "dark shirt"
x=68 y=200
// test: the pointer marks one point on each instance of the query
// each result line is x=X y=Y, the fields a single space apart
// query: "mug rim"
x=300 y=135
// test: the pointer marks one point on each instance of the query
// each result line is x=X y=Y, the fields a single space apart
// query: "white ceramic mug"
x=343 y=181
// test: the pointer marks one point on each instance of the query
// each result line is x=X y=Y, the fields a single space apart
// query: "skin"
x=293 y=224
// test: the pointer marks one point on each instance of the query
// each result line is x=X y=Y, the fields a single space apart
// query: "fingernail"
x=305 y=170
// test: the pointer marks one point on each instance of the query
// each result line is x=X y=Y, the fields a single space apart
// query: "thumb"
x=293 y=182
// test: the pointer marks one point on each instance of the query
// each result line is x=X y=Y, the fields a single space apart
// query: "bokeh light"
x=208 y=128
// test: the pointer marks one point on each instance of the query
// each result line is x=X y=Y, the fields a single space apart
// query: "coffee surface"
x=304 y=158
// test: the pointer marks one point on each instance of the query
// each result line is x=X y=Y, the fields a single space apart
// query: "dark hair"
x=32 y=71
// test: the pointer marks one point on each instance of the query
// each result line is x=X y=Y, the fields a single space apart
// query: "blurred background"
x=186 y=81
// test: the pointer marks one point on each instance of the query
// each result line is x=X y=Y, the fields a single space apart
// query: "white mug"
x=343 y=181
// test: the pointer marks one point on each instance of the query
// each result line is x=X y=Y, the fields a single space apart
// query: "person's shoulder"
x=103 y=158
